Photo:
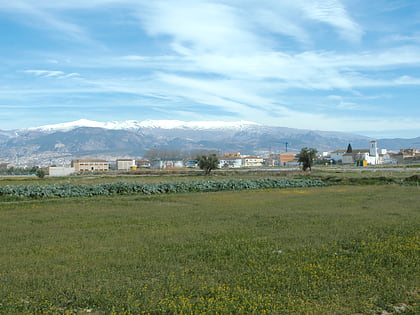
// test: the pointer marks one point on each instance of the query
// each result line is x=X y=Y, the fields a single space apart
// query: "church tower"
x=373 y=151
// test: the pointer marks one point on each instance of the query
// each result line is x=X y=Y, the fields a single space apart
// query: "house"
x=191 y=163
x=143 y=163
x=232 y=155
x=90 y=165
x=172 y=163
x=407 y=156
x=270 y=161
x=230 y=162
x=355 y=156
x=126 y=164
x=337 y=155
x=287 y=158
x=253 y=161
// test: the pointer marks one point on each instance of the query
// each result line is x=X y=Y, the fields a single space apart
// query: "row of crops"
x=123 y=188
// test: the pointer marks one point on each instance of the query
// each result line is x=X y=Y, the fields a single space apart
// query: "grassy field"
x=331 y=250
x=334 y=174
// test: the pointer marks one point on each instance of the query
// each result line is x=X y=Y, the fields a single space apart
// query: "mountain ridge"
x=135 y=124
x=59 y=143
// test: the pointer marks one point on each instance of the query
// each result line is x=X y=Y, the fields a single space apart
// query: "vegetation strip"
x=123 y=188
x=336 y=250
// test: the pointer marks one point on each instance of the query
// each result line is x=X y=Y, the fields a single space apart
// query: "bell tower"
x=373 y=151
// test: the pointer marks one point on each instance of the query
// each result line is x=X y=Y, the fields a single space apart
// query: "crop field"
x=341 y=249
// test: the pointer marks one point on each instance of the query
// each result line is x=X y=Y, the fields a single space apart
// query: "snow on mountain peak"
x=177 y=124
x=134 y=124
x=69 y=125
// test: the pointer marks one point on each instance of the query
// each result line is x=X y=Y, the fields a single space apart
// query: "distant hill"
x=56 y=143
x=399 y=143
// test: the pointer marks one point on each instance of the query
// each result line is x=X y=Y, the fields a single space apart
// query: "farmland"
x=340 y=249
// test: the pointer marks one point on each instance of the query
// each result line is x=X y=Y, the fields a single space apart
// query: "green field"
x=324 y=250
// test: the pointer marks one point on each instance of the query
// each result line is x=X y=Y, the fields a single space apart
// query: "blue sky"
x=349 y=65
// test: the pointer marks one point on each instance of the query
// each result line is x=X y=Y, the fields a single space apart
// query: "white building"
x=230 y=162
x=371 y=155
x=61 y=171
x=174 y=163
x=253 y=161
x=126 y=164
x=337 y=155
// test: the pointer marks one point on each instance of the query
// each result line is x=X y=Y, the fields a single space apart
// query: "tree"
x=40 y=173
x=165 y=154
x=349 y=149
x=208 y=162
x=306 y=157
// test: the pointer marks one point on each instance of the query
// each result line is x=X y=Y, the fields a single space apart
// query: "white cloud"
x=407 y=80
x=415 y=38
x=70 y=75
x=52 y=74
x=44 y=73
x=221 y=21
x=243 y=58
x=333 y=13
x=39 y=15
x=199 y=27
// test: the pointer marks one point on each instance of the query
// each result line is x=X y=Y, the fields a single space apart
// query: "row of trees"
x=35 y=170
x=167 y=154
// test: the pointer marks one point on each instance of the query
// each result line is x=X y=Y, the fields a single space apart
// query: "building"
x=6 y=165
x=172 y=163
x=405 y=156
x=191 y=163
x=90 y=165
x=287 y=158
x=253 y=161
x=230 y=162
x=358 y=155
x=371 y=156
x=126 y=164
x=143 y=163
x=232 y=155
x=60 y=171
x=337 y=155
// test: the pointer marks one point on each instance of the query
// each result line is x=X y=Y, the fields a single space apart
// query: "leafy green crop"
x=123 y=188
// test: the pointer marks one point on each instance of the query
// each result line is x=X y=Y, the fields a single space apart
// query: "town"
x=371 y=155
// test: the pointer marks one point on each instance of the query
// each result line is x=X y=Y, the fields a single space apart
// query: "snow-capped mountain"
x=135 y=124
x=132 y=139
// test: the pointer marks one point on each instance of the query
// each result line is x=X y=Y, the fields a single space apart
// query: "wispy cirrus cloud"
x=42 y=15
x=333 y=13
x=52 y=74
x=308 y=70
x=270 y=60
x=198 y=27
x=231 y=28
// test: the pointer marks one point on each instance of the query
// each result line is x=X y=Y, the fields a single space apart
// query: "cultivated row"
x=122 y=188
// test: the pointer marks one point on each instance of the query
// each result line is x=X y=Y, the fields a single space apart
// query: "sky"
x=336 y=65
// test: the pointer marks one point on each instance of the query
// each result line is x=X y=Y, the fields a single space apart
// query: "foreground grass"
x=334 y=250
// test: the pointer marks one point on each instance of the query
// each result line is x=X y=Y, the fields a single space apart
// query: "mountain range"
x=59 y=143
